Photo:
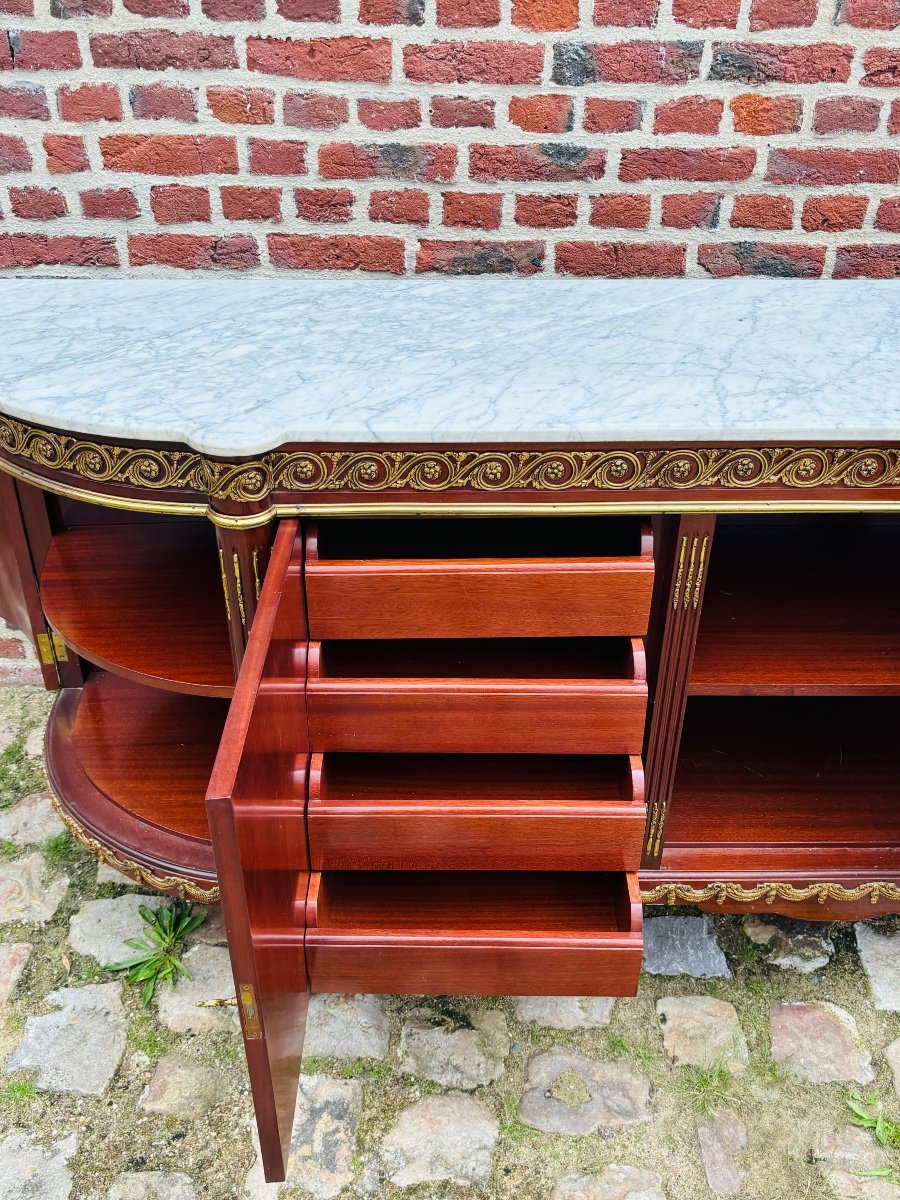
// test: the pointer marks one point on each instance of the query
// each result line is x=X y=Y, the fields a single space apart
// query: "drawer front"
x=461 y=599
x=473 y=716
x=444 y=968
x=411 y=839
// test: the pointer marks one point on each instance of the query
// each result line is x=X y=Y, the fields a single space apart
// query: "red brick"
x=846 y=114
x=17 y=8
x=688 y=114
x=90 y=102
x=355 y=59
x=388 y=115
x=756 y=63
x=400 y=208
x=29 y=50
x=894 y=118
x=546 y=212
x=617 y=259
x=888 y=215
x=474 y=62
x=241 y=106
x=67 y=9
x=767 y=115
x=703 y=14
x=762 y=212
x=824 y=167
x=724 y=259
x=14 y=154
x=110 y=204
x=620 y=210
x=158 y=8
x=310 y=110
x=234 y=10
x=472 y=210
x=282 y=157
x=578 y=63
x=543 y=15
x=37 y=204
x=160 y=49
x=345 y=252
x=480 y=257
x=542 y=114
x=324 y=204
x=833 y=214
x=871 y=14
x=308 y=10
x=177 y=204
x=24 y=102
x=465 y=14
x=192 y=252
x=162 y=101
x=170 y=154
x=699 y=210
x=882 y=68
x=551 y=162
x=612 y=116
x=66 y=154
x=427 y=164
x=782 y=14
x=871 y=262
x=698 y=166
x=39 y=250
x=241 y=203
x=392 y=12
x=461 y=112
x=626 y=12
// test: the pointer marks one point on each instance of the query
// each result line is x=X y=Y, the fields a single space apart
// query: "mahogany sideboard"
x=434 y=628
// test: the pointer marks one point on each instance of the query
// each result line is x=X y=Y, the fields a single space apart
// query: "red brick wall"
x=585 y=137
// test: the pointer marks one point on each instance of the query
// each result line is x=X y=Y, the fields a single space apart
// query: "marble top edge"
x=239 y=367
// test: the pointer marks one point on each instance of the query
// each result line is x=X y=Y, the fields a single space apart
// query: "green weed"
x=159 y=960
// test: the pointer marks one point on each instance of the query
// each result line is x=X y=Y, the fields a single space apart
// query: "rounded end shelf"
x=144 y=602
x=129 y=766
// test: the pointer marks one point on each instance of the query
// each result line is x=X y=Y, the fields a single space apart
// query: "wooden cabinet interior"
x=430 y=776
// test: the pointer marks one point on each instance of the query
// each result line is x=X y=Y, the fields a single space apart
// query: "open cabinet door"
x=256 y=804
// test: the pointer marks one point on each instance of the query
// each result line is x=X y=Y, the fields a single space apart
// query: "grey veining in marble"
x=238 y=367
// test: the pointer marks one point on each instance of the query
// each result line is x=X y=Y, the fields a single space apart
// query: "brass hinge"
x=51 y=649
x=250 y=1013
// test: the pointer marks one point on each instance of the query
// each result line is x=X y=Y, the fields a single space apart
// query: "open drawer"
x=539 y=696
x=475 y=812
x=474 y=932
x=478 y=578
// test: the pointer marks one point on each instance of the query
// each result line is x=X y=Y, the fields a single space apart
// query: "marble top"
x=238 y=367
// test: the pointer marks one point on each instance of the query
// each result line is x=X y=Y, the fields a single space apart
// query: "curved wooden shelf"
x=130 y=767
x=144 y=602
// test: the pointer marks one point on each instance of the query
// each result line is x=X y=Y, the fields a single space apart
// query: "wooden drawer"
x=480 y=578
x=474 y=933
x=504 y=696
x=470 y=811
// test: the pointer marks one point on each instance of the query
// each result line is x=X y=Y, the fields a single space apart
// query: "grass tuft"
x=705 y=1087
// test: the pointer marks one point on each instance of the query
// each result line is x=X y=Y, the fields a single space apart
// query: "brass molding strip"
x=177 y=885
x=684 y=893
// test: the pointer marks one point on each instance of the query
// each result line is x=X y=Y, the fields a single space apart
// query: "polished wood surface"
x=256 y=802
x=473 y=697
x=795 y=783
x=475 y=812
x=130 y=764
x=480 y=579
x=474 y=932
x=144 y=601
x=801 y=607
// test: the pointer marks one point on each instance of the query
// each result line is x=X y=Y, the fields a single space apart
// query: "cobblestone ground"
x=728 y=1075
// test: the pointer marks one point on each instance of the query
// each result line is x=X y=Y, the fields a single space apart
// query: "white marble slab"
x=238 y=367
